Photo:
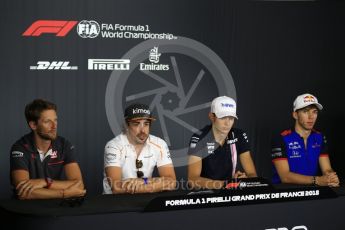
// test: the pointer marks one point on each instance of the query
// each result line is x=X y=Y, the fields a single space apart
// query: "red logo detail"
x=232 y=185
x=60 y=28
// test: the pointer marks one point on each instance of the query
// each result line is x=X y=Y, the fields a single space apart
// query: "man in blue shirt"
x=299 y=153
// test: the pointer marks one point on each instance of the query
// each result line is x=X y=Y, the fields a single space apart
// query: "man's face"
x=138 y=130
x=306 y=117
x=222 y=125
x=46 y=126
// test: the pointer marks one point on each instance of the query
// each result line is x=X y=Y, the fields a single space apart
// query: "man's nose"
x=227 y=120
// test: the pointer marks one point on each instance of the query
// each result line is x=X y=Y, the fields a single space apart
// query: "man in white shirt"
x=131 y=157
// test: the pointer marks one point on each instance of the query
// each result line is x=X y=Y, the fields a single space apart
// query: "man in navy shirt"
x=215 y=152
x=299 y=153
x=40 y=159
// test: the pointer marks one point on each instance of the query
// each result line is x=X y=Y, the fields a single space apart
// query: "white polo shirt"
x=119 y=152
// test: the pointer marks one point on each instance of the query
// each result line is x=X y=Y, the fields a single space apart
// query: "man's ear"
x=294 y=115
x=211 y=116
x=32 y=125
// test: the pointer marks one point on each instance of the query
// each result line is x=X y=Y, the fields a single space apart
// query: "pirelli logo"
x=108 y=64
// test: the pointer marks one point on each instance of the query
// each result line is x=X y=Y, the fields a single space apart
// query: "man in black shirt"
x=39 y=159
x=215 y=152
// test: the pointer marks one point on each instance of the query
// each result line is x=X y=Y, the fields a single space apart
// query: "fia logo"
x=88 y=29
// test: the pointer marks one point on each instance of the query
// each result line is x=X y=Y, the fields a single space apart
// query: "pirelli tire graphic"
x=177 y=79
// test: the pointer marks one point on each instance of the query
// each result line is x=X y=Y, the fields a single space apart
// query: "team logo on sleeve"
x=193 y=142
x=245 y=137
x=168 y=155
x=276 y=152
x=111 y=158
x=17 y=154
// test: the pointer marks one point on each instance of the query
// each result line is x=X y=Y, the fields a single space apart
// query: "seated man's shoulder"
x=63 y=143
x=237 y=131
x=117 y=141
x=285 y=132
x=202 y=133
x=157 y=141
x=283 y=136
x=24 y=144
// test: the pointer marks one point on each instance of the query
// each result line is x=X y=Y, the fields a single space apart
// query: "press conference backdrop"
x=175 y=56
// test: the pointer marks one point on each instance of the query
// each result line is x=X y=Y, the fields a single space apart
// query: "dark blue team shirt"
x=289 y=145
x=217 y=161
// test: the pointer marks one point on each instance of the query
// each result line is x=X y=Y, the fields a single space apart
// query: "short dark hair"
x=312 y=106
x=34 y=109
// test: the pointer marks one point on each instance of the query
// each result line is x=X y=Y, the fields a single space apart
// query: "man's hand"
x=132 y=184
x=240 y=174
x=74 y=190
x=333 y=180
x=329 y=179
x=25 y=188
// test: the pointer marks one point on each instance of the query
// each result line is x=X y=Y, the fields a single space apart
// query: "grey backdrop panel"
x=272 y=50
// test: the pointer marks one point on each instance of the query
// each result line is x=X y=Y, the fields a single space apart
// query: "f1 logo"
x=60 y=28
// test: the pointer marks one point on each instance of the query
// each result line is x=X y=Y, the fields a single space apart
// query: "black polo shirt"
x=217 y=160
x=24 y=155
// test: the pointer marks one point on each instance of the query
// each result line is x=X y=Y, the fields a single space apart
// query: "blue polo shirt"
x=289 y=145
x=218 y=161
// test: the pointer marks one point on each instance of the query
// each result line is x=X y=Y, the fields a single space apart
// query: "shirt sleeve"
x=195 y=147
x=70 y=154
x=18 y=160
x=243 y=142
x=166 y=157
x=324 y=147
x=112 y=155
x=278 y=151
